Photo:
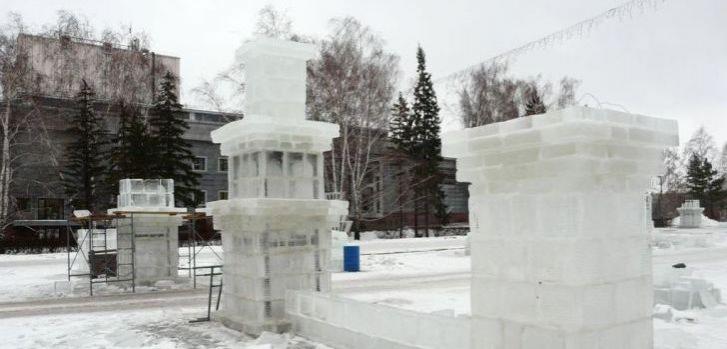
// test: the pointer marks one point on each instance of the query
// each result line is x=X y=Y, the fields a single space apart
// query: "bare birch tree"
x=673 y=178
x=49 y=64
x=702 y=145
x=25 y=142
x=490 y=95
x=352 y=84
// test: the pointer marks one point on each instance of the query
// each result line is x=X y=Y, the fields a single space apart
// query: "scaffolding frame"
x=197 y=244
x=98 y=225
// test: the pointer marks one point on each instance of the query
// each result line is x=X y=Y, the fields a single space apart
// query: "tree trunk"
x=5 y=166
x=416 y=214
x=401 y=204
x=426 y=216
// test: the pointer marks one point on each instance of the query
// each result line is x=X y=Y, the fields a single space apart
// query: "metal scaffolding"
x=197 y=244
x=102 y=248
x=99 y=258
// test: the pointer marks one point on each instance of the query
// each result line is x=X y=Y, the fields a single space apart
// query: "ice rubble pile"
x=276 y=225
x=682 y=290
x=146 y=193
x=560 y=257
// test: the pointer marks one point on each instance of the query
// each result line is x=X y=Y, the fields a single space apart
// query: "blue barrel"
x=351 y=257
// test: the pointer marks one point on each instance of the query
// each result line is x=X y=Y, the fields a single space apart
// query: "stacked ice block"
x=155 y=224
x=146 y=193
x=276 y=225
x=690 y=214
x=272 y=245
x=560 y=256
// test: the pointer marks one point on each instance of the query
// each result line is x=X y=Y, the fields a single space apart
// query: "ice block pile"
x=146 y=193
x=690 y=214
x=560 y=255
x=276 y=225
x=680 y=289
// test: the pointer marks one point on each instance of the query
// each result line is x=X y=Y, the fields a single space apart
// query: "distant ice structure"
x=145 y=193
x=276 y=225
x=690 y=214
x=560 y=258
x=339 y=238
x=706 y=222
x=150 y=203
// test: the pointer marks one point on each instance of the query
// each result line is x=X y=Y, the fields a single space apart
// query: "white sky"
x=671 y=62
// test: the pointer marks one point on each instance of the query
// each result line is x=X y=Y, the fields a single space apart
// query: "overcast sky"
x=670 y=62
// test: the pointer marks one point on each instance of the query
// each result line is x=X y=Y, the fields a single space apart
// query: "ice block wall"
x=560 y=258
x=276 y=225
x=154 y=221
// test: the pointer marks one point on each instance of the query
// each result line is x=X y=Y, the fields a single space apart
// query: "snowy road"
x=127 y=301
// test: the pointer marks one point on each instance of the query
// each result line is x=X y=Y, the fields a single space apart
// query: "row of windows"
x=199 y=164
x=221 y=195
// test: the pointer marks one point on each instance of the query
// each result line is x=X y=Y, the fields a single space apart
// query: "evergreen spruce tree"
x=697 y=178
x=427 y=146
x=171 y=154
x=131 y=147
x=400 y=126
x=705 y=184
x=401 y=135
x=534 y=104
x=85 y=169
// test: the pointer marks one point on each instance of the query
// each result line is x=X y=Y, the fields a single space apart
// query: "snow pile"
x=269 y=340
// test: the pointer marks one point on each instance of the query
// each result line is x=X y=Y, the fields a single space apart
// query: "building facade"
x=57 y=68
x=386 y=194
x=132 y=74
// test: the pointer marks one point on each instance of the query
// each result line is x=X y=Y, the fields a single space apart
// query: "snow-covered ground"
x=427 y=275
x=149 y=328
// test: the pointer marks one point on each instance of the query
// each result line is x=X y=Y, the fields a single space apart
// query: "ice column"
x=276 y=224
x=150 y=205
x=690 y=214
x=560 y=258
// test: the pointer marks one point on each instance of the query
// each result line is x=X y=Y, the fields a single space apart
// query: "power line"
x=577 y=30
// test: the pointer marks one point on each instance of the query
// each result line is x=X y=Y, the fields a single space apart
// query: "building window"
x=50 y=208
x=199 y=164
x=24 y=204
x=222 y=195
x=200 y=200
x=222 y=164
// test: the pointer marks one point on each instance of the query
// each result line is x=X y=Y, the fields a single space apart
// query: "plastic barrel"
x=351 y=258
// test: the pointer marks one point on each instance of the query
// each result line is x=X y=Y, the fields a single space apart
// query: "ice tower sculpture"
x=155 y=222
x=276 y=224
x=560 y=258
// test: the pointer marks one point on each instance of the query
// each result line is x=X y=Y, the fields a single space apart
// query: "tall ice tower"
x=276 y=225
